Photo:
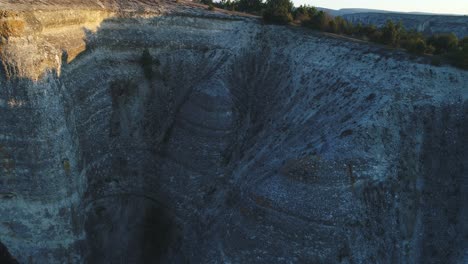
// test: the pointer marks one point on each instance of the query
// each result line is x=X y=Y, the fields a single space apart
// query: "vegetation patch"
x=278 y=11
x=442 y=47
x=66 y=166
x=248 y=6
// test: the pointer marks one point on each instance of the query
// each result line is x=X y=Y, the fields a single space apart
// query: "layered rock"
x=246 y=143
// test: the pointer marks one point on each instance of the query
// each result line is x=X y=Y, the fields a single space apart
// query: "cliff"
x=241 y=143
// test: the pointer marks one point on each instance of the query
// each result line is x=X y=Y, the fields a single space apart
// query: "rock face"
x=239 y=143
x=426 y=24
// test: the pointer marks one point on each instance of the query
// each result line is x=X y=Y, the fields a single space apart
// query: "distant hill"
x=347 y=11
x=427 y=24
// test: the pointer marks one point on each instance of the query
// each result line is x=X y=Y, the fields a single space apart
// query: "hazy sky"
x=432 y=6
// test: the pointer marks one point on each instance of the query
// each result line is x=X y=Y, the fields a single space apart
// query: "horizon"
x=455 y=7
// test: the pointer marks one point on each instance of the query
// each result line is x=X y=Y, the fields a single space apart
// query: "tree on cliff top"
x=250 y=6
x=459 y=58
x=304 y=13
x=391 y=33
x=444 y=43
x=278 y=11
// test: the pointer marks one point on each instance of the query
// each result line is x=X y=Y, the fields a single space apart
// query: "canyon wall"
x=239 y=142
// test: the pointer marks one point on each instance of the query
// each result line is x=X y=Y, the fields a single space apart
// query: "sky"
x=431 y=6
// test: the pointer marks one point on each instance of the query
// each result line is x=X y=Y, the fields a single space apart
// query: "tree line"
x=441 y=46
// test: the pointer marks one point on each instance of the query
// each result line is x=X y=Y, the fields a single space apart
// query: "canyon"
x=240 y=142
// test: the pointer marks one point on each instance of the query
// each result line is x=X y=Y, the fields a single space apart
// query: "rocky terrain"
x=424 y=23
x=239 y=143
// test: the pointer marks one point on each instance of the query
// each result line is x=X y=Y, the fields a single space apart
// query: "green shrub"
x=250 y=6
x=66 y=166
x=463 y=42
x=332 y=26
x=211 y=7
x=459 y=58
x=320 y=21
x=443 y=43
x=278 y=11
x=368 y=32
x=304 y=13
x=391 y=34
x=227 y=4
x=416 y=46
x=430 y=49
x=342 y=26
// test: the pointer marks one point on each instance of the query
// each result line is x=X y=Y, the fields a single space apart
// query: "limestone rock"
x=246 y=143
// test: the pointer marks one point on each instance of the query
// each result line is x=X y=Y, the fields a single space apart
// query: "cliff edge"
x=161 y=132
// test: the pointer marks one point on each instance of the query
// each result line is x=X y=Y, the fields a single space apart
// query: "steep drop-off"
x=246 y=143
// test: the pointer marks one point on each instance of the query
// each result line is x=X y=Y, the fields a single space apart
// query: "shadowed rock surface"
x=241 y=143
x=5 y=256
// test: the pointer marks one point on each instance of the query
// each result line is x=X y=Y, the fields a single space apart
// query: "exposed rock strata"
x=249 y=144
